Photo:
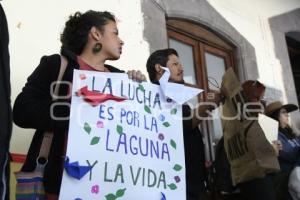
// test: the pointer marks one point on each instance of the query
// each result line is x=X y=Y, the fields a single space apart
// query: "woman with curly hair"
x=88 y=40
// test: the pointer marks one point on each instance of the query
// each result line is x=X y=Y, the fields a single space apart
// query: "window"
x=205 y=57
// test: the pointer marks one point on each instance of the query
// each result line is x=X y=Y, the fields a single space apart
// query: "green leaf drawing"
x=177 y=167
x=173 y=143
x=119 y=129
x=172 y=186
x=87 y=128
x=147 y=109
x=166 y=124
x=110 y=197
x=95 y=140
x=173 y=111
x=120 y=192
x=141 y=87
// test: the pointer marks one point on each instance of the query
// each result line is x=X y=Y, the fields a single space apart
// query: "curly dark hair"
x=158 y=57
x=75 y=34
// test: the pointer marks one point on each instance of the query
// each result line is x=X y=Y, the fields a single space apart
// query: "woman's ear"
x=158 y=69
x=95 y=33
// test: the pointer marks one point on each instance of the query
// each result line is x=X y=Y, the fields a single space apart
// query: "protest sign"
x=125 y=141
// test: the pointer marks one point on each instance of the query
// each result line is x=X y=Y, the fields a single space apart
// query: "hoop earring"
x=97 y=47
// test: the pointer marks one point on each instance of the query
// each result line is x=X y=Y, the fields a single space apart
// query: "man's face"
x=176 y=69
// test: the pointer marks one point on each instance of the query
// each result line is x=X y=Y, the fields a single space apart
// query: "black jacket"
x=32 y=110
x=196 y=173
x=5 y=108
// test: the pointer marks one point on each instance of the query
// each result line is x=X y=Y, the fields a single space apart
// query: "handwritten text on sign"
x=127 y=136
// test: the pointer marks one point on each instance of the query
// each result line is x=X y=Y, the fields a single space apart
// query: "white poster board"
x=135 y=146
x=269 y=127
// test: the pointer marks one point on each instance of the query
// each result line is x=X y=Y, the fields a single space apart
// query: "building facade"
x=260 y=40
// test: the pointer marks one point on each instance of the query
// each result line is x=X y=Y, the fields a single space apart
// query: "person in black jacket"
x=88 y=40
x=196 y=174
x=5 y=108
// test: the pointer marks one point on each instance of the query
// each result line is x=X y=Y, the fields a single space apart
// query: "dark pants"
x=196 y=193
x=281 y=181
x=258 y=189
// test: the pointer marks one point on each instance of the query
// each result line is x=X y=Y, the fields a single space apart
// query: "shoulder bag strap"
x=47 y=139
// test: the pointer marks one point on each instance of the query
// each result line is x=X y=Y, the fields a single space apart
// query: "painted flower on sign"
x=95 y=189
x=177 y=179
x=161 y=136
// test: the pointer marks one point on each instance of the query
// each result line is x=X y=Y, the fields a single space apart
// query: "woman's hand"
x=136 y=75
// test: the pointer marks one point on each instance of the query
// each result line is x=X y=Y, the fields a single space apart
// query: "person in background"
x=193 y=143
x=258 y=188
x=5 y=108
x=88 y=40
x=251 y=157
x=289 y=155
